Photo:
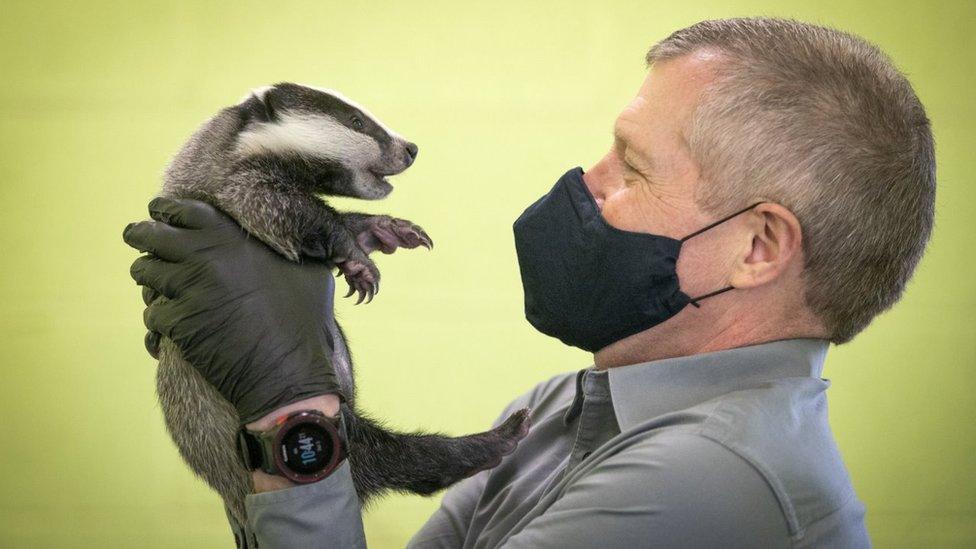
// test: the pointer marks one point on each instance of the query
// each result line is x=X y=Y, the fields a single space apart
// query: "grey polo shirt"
x=725 y=449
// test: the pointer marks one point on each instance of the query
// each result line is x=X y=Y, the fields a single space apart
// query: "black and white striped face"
x=322 y=126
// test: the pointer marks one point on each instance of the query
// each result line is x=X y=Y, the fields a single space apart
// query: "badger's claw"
x=362 y=276
x=386 y=234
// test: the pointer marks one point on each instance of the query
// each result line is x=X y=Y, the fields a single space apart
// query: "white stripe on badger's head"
x=312 y=134
x=317 y=136
x=362 y=109
x=288 y=120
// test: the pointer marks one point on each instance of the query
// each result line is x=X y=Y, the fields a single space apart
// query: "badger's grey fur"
x=265 y=162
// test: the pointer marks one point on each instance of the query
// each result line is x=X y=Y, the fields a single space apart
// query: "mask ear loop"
x=694 y=301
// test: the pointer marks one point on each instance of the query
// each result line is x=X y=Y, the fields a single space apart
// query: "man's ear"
x=776 y=243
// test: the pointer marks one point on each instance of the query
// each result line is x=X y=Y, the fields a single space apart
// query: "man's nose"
x=604 y=177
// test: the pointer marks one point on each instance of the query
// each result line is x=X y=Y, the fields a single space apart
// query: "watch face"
x=306 y=449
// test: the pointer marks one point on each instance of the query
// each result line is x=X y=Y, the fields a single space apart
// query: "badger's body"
x=265 y=161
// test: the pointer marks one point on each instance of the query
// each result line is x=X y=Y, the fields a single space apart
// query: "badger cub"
x=266 y=161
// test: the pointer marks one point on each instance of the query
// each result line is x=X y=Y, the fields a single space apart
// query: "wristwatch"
x=304 y=447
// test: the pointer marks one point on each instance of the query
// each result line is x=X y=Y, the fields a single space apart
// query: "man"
x=793 y=169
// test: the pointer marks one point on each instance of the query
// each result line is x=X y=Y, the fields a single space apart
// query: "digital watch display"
x=303 y=447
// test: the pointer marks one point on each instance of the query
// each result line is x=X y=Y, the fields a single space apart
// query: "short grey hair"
x=821 y=122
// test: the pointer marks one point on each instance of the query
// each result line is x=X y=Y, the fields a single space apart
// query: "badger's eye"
x=357 y=123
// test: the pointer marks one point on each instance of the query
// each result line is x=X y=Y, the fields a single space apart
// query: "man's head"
x=814 y=123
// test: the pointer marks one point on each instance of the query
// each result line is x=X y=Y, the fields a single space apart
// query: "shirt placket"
x=597 y=421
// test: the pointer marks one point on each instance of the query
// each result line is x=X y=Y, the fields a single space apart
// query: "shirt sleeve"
x=327 y=513
x=448 y=526
x=670 y=491
x=322 y=514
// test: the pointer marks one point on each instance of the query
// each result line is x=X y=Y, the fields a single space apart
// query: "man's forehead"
x=692 y=70
x=684 y=78
x=669 y=93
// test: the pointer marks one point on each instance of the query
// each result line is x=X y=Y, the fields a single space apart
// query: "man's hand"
x=253 y=323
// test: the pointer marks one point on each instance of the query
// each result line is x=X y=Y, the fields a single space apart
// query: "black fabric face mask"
x=588 y=283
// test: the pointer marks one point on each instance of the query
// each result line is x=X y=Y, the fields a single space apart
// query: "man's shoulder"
x=664 y=487
x=782 y=430
x=778 y=429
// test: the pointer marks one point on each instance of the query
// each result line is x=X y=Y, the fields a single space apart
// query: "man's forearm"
x=327 y=404
x=321 y=514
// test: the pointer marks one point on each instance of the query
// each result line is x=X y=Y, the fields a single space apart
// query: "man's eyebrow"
x=619 y=140
x=617 y=135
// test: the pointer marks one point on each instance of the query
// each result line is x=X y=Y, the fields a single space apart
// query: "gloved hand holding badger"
x=264 y=162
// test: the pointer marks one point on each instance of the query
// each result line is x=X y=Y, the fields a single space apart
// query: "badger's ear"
x=259 y=105
x=268 y=101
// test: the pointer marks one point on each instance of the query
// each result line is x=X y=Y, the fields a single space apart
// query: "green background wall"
x=502 y=97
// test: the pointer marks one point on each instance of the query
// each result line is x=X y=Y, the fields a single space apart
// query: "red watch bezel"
x=305 y=416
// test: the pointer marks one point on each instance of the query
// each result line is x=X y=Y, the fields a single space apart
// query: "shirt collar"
x=647 y=390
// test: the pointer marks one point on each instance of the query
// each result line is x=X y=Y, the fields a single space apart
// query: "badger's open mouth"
x=381 y=187
x=383 y=175
x=382 y=182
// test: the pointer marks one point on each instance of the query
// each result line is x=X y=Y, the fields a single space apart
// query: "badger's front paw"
x=362 y=275
x=386 y=234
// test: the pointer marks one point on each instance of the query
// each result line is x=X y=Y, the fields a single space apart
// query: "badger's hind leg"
x=423 y=463
x=204 y=427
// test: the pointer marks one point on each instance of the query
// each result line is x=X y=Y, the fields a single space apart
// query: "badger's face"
x=353 y=149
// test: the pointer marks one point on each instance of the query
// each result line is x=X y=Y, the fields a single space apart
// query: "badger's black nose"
x=412 y=151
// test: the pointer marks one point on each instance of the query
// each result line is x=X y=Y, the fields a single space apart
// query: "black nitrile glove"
x=252 y=322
